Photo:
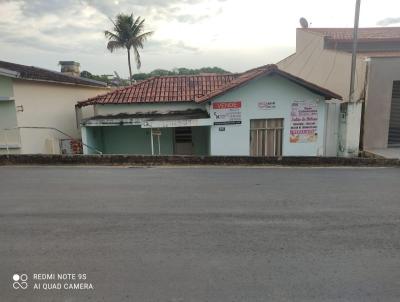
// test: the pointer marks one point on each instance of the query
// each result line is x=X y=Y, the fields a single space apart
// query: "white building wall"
x=235 y=140
x=330 y=69
x=48 y=105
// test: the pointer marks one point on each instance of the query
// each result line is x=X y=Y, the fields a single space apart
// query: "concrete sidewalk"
x=146 y=160
x=392 y=153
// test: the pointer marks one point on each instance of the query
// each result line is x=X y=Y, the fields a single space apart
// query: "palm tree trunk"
x=129 y=64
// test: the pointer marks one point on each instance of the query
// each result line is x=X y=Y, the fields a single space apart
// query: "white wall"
x=235 y=140
x=332 y=132
x=330 y=69
x=9 y=139
x=48 y=105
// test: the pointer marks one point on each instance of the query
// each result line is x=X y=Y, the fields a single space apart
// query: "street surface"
x=200 y=234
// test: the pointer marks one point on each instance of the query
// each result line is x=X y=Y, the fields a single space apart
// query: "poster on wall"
x=304 y=122
x=227 y=113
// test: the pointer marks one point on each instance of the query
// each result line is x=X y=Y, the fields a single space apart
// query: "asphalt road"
x=201 y=234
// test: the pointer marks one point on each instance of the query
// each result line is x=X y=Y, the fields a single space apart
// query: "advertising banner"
x=304 y=122
x=227 y=113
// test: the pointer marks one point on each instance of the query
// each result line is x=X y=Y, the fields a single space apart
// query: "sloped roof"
x=367 y=34
x=198 y=88
x=164 y=89
x=40 y=74
x=268 y=70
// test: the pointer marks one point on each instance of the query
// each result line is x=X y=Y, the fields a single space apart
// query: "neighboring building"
x=323 y=57
x=262 y=112
x=34 y=97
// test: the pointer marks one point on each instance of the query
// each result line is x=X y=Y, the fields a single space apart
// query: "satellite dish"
x=303 y=22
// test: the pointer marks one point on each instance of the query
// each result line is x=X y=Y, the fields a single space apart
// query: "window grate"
x=266 y=137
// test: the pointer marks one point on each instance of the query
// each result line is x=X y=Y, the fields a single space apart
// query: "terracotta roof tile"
x=164 y=89
x=199 y=88
x=371 y=34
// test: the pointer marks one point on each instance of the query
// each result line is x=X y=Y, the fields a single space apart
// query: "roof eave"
x=361 y=40
x=310 y=86
x=232 y=86
x=62 y=82
x=9 y=73
x=90 y=103
x=275 y=70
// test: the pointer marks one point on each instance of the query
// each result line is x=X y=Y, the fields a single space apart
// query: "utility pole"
x=353 y=108
x=354 y=55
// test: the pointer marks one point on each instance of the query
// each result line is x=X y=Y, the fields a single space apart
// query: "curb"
x=144 y=160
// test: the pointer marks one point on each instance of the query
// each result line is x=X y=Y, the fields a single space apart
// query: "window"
x=394 y=124
x=183 y=141
x=266 y=137
x=183 y=135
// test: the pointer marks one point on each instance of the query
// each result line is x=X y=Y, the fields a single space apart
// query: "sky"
x=233 y=34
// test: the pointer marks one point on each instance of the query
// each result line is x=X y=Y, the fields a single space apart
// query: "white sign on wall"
x=227 y=113
x=266 y=105
x=177 y=123
x=304 y=122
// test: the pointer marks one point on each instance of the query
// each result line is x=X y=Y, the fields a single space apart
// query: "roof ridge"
x=10 y=66
x=189 y=88
x=243 y=78
x=365 y=34
x=351 y=28
x=119 y=90
x=69 y=76
x=261 y=71
x=194 y=75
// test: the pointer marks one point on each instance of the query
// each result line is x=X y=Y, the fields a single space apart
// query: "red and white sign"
x=227 y=113
x=227 y=105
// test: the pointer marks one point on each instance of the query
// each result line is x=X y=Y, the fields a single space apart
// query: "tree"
x=178 y=71
x=128 y=33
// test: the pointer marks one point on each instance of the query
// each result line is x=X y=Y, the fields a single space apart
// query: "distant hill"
x=117 y=81
x=178 y=71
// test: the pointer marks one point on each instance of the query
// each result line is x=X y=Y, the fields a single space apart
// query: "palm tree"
x=128 y=33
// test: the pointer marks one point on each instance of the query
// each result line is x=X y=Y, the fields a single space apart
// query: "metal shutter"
x=394 y=126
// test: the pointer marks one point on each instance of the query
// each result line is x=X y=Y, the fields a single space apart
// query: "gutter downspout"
x=152 y=142
x=364 y=97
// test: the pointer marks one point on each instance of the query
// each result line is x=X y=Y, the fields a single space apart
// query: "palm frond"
x=113 y=45
x=129 y=33
x=111 y=36
x=139 y=40
x=137 y=58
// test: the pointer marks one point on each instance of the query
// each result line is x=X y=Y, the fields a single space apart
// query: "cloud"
x=191 y=19
x=78 y=25
x=160 y=47
x=34 y=8
x=388 y=21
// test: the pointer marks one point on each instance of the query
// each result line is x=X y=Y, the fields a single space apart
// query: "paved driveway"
x=200 y=234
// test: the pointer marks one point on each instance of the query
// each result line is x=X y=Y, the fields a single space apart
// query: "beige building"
x=37 y=108
x=323 y=57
